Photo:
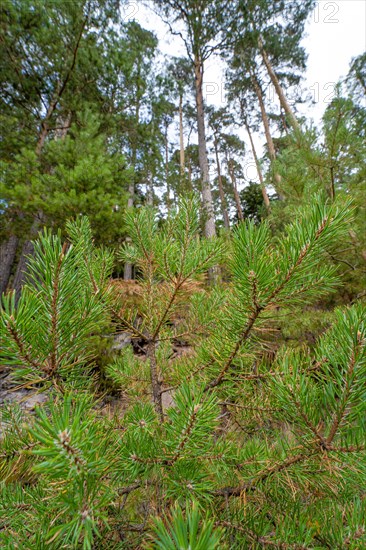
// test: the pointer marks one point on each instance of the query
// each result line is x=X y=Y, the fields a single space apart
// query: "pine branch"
x=24 y=349
x=91 y=275
x=163 y=317
x=129 y=326
x=315 y=431
x=54 y=336
x=303 y=254
x=218 y=380
x=262 y=476
x=155 y=382
x=257 y=308
x=344 y=400
x=185 y=434
x=64 y=440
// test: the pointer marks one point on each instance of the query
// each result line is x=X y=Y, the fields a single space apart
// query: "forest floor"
x=113 y=402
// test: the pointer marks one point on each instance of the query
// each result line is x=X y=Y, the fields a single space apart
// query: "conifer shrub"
x=217 y=446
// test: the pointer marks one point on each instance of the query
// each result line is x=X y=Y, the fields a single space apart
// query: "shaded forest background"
x=93 y=122
x=182 y=349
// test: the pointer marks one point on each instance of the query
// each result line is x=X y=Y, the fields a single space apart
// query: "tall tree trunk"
x=181 y=138
x=225 y=214
x=257 y=163
x=271 y=148
x=7 y=256
x=283 y=100
x=150 y=190
x=127 y=271
x=210 y=229
x=235 y=189
x=168 y=203
x=22 y=267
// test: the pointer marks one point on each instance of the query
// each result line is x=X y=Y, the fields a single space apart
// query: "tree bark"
x=259 y=170
x=22 y=267
x=168 y=203
x=190 y=173
x=271 y=148
x=127 y=271
x=181 y=138
x=283 y=100
x=63 y=126
x=7 y=256
x=210 y=229
x=235 y=189
x=225 y=214
x=150 y=190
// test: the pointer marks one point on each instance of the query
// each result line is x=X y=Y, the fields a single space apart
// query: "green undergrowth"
x=241 y=406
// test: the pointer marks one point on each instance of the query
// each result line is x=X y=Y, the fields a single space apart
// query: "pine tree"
x=205 y=23
x=179 y=72
x=233 y=149
x=172 y=413
x=134 y=75
x=49 y=53
x=330 y=159
x=217 y=121
x=246 y=453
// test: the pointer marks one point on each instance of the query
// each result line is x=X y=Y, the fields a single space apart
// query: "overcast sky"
x=335 y=33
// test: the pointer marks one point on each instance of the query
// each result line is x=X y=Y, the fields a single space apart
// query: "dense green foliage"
x=262 y=446
x=215 y=397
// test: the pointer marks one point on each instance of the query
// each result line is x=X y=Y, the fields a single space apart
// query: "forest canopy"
x=182 y=356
